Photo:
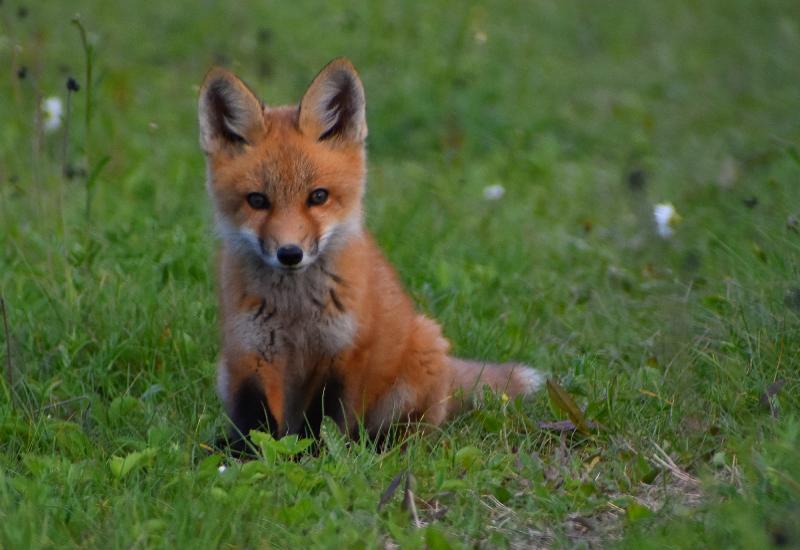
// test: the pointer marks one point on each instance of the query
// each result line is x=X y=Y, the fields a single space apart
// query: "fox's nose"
x=290 y=254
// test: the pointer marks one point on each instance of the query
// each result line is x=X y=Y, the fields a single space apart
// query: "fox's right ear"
x=229 y=113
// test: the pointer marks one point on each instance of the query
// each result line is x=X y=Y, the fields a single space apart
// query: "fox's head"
x=286 y=182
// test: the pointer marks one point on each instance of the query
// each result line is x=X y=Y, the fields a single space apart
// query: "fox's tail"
x=512 y=379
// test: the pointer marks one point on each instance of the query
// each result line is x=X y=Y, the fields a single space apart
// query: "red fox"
x=314 y=319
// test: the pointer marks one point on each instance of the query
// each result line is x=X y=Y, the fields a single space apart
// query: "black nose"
x=290 y=254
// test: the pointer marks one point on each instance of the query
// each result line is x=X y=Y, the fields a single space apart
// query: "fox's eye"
x=317 y=197
x=259 y=201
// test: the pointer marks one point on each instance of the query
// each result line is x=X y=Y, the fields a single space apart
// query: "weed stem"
x=9 y=369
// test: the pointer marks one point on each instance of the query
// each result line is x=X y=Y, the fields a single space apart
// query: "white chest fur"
x=300 y=318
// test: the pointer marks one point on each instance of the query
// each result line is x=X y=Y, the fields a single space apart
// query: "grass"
x=587 y=114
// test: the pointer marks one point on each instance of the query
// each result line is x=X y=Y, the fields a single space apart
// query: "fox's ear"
x=229 y=113
x=333 y=107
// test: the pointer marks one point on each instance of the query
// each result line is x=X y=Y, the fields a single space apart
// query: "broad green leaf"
x=435 y=539
x=469 y=457
x=122 y=466
x=636 y=511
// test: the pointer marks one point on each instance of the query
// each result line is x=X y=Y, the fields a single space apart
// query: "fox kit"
x=314 y=319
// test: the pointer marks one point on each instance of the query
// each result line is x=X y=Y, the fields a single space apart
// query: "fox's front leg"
x=307 y=401
x=253 y=393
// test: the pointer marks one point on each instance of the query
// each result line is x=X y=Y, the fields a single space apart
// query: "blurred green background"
x=586 y=113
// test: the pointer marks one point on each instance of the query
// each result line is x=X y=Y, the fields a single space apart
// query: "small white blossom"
x=480 y=37
x=494 y=192
x=728 y=172
x=222 y=468
x=52 y=114
x=666 y=218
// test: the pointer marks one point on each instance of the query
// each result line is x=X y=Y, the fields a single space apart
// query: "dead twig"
x=408 y=500
x=663 y=459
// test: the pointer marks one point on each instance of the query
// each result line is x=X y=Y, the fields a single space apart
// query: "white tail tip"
x=530 y=379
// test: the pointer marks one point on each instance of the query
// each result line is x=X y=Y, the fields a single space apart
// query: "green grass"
x=669 y=343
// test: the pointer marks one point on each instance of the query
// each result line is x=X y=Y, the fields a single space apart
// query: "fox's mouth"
x=291 y=269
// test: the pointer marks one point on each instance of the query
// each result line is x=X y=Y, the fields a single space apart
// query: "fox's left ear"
x=333 y=107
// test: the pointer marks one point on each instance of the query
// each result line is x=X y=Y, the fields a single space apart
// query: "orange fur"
x=336 y=330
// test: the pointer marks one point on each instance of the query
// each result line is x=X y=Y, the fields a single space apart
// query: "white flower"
x=494 y=192
x=52 y=114
x=222 y=468
x=480 y=37
x=666 y=218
